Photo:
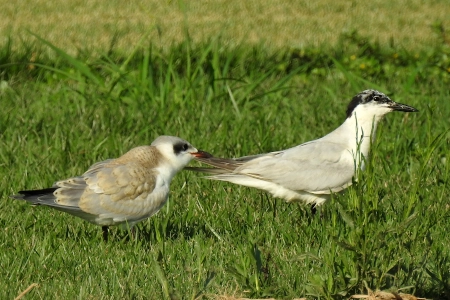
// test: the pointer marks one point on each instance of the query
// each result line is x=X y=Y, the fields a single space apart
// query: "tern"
x=125 y=190
x=312 y=171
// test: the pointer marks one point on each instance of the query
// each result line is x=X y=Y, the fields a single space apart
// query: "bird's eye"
x=376 y=98
x=180 y=147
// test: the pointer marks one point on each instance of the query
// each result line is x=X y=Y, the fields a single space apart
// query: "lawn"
x=63 y=112
x=94 y=25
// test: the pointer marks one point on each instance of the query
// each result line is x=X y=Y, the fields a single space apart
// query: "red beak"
x=201 y=154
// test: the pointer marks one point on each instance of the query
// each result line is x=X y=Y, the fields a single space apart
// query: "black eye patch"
x=365 y=97
x=179 y=147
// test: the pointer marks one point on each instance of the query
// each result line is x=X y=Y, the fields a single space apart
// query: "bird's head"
x=177 y=151
x=372 y=103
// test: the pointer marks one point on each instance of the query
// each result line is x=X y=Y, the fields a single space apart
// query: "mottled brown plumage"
x=125 y=190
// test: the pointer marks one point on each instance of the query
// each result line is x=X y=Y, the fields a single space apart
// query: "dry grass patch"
x=92 y=24
x=380 y=295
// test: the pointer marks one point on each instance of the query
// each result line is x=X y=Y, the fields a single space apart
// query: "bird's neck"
x=358 y=133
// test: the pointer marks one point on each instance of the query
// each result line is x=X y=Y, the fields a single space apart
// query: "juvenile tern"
x=124 y=190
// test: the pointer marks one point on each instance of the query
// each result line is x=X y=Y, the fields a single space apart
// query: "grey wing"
x=247 y=158
x=312 y=167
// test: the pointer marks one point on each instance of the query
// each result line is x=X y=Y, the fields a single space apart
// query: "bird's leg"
x=133 y=232
x=129 y=227
x=105 y=233
x=313 y=209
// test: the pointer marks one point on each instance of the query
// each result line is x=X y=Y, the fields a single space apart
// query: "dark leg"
x=105 y=233
x=313 y=209
x=133 y=232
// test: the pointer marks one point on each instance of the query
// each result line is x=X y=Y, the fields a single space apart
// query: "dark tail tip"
x=33 y=194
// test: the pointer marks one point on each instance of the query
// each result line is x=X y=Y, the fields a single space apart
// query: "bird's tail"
x=219 y=165
x=211 y=171
x=36 y=197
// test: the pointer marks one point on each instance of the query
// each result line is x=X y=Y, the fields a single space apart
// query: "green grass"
x=390 y=231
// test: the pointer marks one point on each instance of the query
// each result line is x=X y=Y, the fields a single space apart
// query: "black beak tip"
x=411 y=109
x=403 y=107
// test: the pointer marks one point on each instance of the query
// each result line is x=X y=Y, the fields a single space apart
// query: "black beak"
x=402 y=107
x=202 y=154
